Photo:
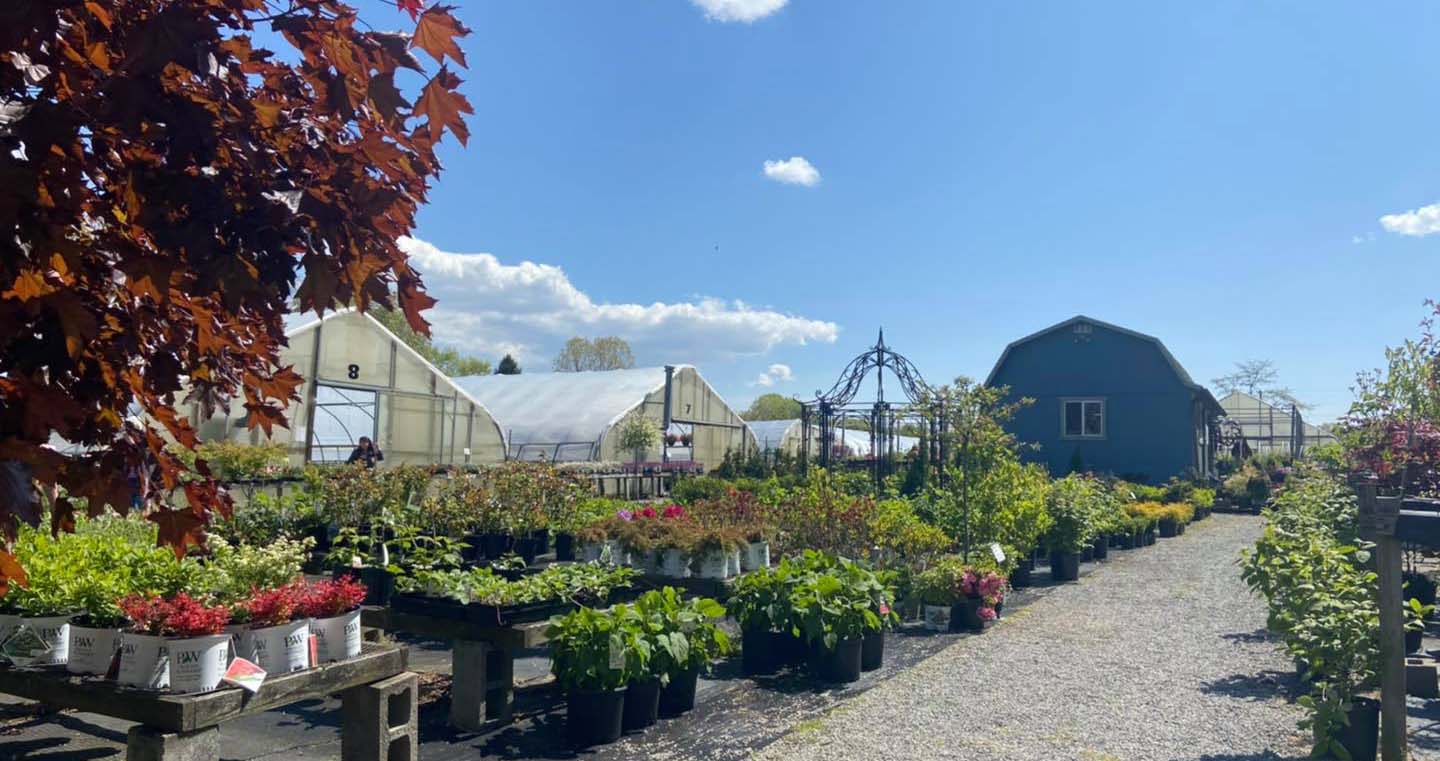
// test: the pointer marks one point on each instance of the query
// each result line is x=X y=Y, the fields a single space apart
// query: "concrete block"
x=381 y=720
x=468 y=669
x=146 y=744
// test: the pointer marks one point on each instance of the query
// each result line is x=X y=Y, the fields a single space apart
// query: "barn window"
x=1083 y=418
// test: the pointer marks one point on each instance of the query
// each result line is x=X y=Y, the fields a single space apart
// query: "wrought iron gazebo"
x=831 y=410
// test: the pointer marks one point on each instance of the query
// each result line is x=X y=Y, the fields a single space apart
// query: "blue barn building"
x=1108 y=400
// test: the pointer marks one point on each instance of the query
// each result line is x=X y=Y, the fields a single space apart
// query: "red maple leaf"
x=412 y=7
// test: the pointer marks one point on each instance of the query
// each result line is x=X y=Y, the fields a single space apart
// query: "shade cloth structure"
x=857 y=443
x=363 y=380
x=569 y=417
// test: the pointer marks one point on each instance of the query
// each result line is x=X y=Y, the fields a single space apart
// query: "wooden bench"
x=482 y=662
x=380 y=703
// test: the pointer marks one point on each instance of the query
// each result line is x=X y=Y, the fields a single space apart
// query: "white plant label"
x=617 y=654
x=999 y=553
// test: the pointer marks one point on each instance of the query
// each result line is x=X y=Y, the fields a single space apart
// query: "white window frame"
x=1065 y=402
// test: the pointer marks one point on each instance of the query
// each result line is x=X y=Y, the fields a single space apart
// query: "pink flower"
x=674 y=511
x=969 y=584
x=987 y=613
x=648 y=512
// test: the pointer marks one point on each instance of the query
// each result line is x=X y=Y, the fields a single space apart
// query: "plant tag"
x=244 y=674
x=24 y=646
x=884 y=609
x=314 y=651
x=617 y=654
x=997 y=552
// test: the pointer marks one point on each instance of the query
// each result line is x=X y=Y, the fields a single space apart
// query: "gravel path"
x=1158 y=654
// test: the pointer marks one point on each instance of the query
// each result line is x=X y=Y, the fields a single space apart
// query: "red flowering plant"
x=986 y=586
x=273 y=607
x=674 y=512
x=180 y=616
x=327 y=599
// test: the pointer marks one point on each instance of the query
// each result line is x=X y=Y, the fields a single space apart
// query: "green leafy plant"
x=684 y=633
x=598 y=649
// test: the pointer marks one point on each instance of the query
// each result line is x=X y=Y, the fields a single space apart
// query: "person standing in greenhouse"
x=366 y=452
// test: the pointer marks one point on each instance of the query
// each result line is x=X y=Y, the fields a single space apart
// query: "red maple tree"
x=166 y=187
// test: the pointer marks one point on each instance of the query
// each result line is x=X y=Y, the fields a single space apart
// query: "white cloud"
x=745 y=11
x=773 y=374
x=793 y=171
x=1417 y=222
x=529 y=310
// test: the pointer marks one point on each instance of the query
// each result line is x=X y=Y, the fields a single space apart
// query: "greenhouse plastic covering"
x=770 y=434
x=562 y=408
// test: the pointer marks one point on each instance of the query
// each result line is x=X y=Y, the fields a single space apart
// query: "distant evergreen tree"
x=508 y=366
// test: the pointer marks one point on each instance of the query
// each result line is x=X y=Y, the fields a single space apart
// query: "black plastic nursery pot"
x=496 y=544
x=1179 y=529
x=528 y=548
x=1064 y=566
x=642 y=705
x=1125 y=541
x=678 y=696
x=541 y=538
x=1363 y=734
x=379 y=584
x=1021 y=576
x=1102 y=548
x=564 y=547
x=965 y=616
x=841 y=665
x=1149 y=537
x=872 y=651
x=1168 y=528
x=594 y=717
x=1413 y=641
x=762 y=651
x=1087 y=553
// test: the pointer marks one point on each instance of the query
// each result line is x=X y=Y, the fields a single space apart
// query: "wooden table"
x=380 y=704
x=482 y=663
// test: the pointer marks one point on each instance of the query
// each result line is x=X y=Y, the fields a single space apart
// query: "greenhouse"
x=568 y=417
x=1265 y=428
x=777 y=435
x=362 y=380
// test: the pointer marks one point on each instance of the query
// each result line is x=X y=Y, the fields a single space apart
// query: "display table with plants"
x=174 y=727
x=488 y=619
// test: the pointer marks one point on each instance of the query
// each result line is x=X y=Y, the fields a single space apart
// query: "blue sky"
x=1213 y=174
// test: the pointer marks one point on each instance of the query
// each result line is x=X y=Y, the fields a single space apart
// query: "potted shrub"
x=333 y=608
x=1066 y=540
x=983 y=591
x=938 y=589
x=684 y=640
x=277 y=640
x=872 y=646
x=176 y=643
x=715 y=553
x=756 y=553
x=760 y=603
x=832 y=611
x=588 y=656
x=95 y=634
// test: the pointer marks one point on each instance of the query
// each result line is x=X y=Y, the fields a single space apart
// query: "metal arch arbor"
x=838 y=404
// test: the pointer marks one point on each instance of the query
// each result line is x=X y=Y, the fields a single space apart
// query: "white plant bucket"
x=91 y=649
x=732 y=563
x=55 y=631
x=649 y=562
x=714 y=565
x=590 y=553
x=756 y=556
x=675 y=564
x=198 y=663
x=337 y=638
x=278 y=649
x=937 y=618
x=144 y=661
x=618 y=555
